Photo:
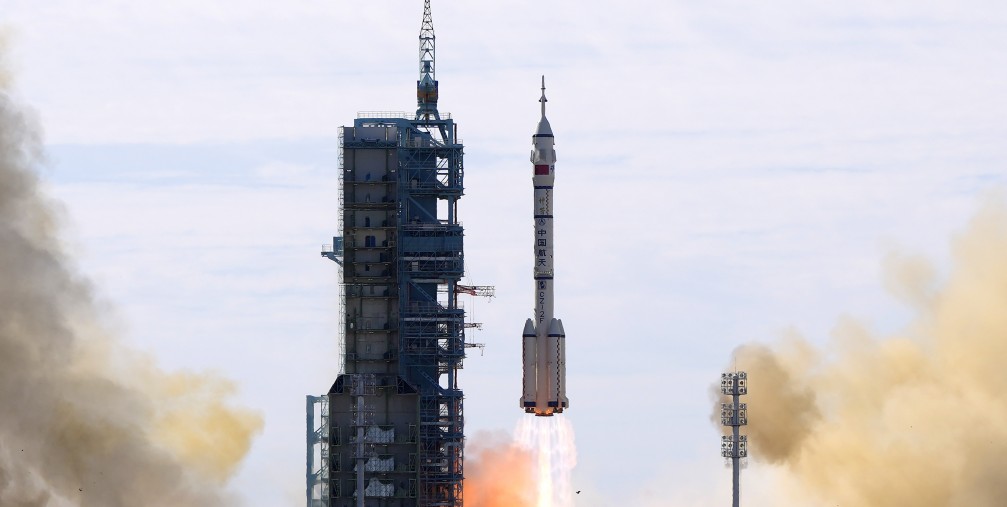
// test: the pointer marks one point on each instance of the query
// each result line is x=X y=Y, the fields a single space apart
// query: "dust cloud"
x=916 y=418
x=86 y=422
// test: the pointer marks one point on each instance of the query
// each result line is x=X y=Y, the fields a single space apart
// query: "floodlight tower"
x=735 y=415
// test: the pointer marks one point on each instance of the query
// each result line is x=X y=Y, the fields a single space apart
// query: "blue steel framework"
x=402 y=321
x=401 y=253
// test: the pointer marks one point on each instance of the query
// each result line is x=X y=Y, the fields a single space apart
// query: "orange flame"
x=499 y=473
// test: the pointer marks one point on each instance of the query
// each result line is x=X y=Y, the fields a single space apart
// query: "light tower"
x=734 y=415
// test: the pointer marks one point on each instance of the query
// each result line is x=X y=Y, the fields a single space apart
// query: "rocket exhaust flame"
x=532 y=469
x=78 y=428
x=551 y=442
x=910 y=419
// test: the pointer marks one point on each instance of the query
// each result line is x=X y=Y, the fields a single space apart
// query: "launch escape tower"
x=389 y=432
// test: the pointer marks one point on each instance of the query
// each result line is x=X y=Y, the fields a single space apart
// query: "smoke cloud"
x=917 y=418
x=86 y=422
x=499 y=473
x=4 y=71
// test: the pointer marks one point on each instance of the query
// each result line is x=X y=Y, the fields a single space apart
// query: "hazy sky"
x=727 y=171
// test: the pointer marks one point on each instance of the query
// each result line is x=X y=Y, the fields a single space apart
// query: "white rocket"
x=543 y=340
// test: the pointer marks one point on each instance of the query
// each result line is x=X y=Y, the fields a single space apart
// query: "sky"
x=728 y=172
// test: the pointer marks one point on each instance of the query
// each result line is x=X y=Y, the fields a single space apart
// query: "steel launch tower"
x=389 y=432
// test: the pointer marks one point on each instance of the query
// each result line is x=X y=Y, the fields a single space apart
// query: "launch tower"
x=389 y=432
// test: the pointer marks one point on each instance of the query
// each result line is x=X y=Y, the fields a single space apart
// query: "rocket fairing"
x=543 y=340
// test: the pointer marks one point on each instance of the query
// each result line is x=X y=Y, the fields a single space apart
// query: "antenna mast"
x=426 y=87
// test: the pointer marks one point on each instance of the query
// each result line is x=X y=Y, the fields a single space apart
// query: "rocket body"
x=543 y=339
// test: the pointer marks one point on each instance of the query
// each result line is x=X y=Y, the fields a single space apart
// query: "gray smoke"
x=72 y=431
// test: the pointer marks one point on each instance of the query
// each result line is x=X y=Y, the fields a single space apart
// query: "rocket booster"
x=543 y=339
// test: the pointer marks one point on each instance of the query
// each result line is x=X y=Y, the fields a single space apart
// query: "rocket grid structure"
x=389 y=432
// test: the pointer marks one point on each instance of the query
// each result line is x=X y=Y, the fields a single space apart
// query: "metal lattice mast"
x=427 y=43
x=426 y=87
x=734 y=415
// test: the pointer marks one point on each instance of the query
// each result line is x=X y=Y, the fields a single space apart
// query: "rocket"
x=543 y=340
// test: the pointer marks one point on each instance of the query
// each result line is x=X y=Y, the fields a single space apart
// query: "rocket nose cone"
x=559 y=324
x=555 y=327
x=529 y=328
x=544 y=129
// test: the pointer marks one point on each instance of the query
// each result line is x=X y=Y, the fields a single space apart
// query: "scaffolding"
x=402 y=256
x=394 y=417
x=432 y=331
x=317 y=429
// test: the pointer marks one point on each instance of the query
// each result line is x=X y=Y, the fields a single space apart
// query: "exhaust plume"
x=499 y=473
x=551 y=440
x=531 y=470
x=917 y=418
x=86 y=422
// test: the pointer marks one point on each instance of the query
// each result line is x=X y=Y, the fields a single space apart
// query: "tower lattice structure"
x=390 y=430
